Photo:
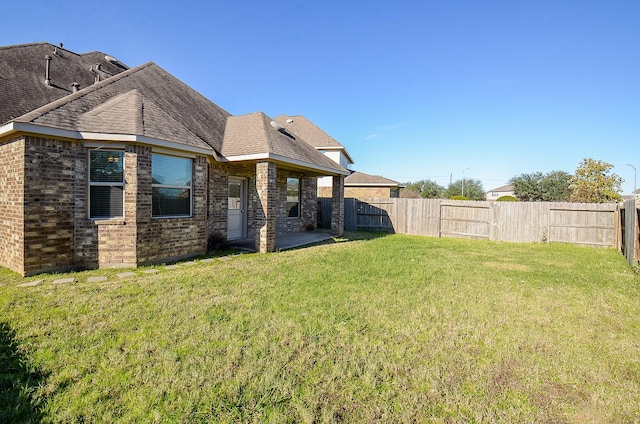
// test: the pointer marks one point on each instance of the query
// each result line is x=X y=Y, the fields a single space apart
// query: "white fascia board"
x=86 y=135
x=284 y=159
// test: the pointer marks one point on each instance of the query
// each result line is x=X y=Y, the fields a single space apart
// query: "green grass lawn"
x=393 y=329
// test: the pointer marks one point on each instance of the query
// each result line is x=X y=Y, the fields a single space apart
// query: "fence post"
x=630 y=232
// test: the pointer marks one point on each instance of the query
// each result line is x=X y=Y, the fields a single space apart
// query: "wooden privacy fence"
x=592 y=224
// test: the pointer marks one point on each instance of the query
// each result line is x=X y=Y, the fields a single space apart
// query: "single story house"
x=110 y=166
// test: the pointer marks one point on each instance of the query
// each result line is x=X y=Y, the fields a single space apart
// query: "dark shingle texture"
x=144 y=101
x=22 y=76
x=253 y=134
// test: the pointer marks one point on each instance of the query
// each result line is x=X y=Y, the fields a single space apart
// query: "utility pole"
x=463 y=180
x=635 y=190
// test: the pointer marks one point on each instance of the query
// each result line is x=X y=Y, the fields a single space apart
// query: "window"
x=171 y=189
x=293 y=197
x=106 y=184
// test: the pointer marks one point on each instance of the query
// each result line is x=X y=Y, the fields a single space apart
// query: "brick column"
x=337 y=205
x=266 y=190
x=309 y=203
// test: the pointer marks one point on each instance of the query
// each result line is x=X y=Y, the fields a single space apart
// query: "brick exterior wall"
x=337 y=205
x=218 y=192
x=110 y=243
x=49 y=205
x=12 y=204
x=266 y=212
x=308 y=203
x=309 y=199
x=44 y=223
x=325 y=191
x=367 y=192
x=167 y=239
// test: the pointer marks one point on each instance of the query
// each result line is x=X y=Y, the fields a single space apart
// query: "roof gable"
x=253 y=135
x=141 y=101
x=311 y=133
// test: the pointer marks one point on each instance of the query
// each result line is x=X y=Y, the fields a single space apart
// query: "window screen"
x=106 y=184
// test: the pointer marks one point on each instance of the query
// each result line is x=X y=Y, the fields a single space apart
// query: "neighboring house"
x=506 y=190
x=312 y=134
x=106 y=166
x=361 y=186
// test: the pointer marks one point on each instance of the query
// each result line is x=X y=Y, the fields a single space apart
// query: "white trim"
x=279 y=158
x=29 y=127
x=342 y=148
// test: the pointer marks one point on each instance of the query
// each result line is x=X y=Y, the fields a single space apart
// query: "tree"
x=593 y=183
x=528 y=187
x=473 y=189
x=428 y=189
x=555 y=187
x=536 y=187
x=410 y=192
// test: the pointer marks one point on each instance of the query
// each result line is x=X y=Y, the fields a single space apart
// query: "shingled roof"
x=362 y=179
x=23 y=69
x=144 y=104
x=311 y=133
x=144 y=101
x=253 y=136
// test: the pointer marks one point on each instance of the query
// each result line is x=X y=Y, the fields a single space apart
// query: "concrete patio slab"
x=285 y=241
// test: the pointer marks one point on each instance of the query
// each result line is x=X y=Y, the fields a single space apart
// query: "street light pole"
x=463 y=180
x=635 y=190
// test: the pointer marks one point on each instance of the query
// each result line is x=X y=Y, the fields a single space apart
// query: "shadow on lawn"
x=18 y=382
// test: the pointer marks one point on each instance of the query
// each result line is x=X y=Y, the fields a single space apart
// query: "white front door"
x=236 y=211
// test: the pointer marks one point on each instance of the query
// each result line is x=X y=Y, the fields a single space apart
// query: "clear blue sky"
x=413 y=89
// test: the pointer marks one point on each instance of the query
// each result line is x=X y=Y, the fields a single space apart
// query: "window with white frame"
x=293 y=197
x=106 y=184
x=171 y=188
